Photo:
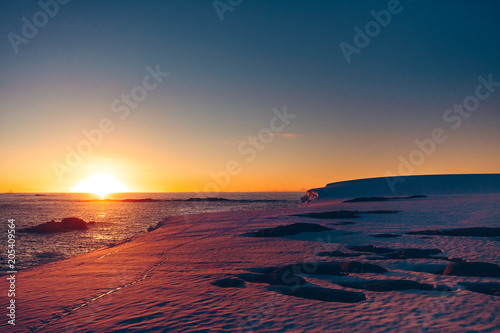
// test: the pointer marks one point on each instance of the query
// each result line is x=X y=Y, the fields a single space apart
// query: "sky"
x=230 y=95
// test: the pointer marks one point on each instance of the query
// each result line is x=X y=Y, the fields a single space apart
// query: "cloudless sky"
x=353 y=120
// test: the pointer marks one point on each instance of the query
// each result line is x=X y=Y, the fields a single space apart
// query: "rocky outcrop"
x=66 y=224
x=310 y=196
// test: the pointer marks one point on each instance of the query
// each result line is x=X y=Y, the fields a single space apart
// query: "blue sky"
x=353 y=120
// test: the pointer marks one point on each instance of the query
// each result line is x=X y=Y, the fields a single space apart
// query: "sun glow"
x=100 y=184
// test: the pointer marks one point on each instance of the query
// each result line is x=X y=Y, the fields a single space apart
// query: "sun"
x=100 y=184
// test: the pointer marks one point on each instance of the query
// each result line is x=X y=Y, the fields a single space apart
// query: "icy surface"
x=162 y=280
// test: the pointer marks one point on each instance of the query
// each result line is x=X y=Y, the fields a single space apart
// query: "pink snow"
x=160 y=281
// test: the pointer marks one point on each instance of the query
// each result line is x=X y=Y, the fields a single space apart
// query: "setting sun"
x=100 y=184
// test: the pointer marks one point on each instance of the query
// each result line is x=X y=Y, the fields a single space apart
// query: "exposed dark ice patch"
x=358 y=267
x=342 y=223
x=344 y=214
x=288 y=230
x=483 y=288
x=386 y=235
x=371 y=199
x=285 y=278
x=319 y=268
x=288 y=275
x=338 y=254
x=481 y=269
x=322 y=294
x=388 y=253
x=370 y=248
x=339 y=214
x=413 y=253
x=229 y=283
x=466 y=232
x=429 y=268
x=381 y=212
x=387 y=285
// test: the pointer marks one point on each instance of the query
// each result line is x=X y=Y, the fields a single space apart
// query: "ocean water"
x=115 y=220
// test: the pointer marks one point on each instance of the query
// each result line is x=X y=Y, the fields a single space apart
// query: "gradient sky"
x=353 y=120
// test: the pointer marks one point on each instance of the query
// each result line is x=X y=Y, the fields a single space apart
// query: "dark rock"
x=122 y=200
x=386 y=235
x=387 y=285
x=482 y=269
x=323 y=294
x=358 y=267
x=139 y=200
x=291 y=229
x=207 y=199
x=66 y=224
x=484 y=288
x=470 y=232
x=338 y=254
x=370 y=248
x=228 y=283
x=159 y=224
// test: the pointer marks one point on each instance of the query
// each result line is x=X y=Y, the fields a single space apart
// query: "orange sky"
x=165 y=96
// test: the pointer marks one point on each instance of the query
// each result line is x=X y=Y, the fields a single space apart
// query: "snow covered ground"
x=161 y=281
